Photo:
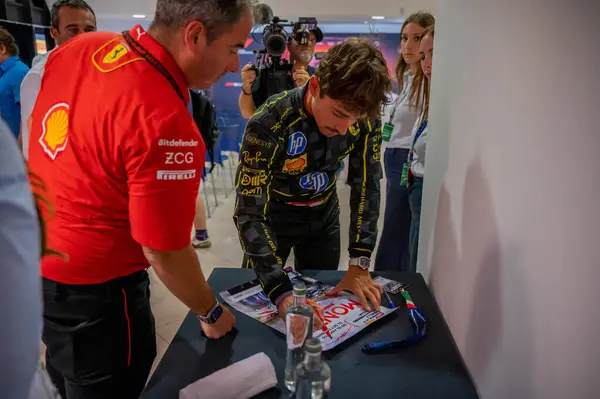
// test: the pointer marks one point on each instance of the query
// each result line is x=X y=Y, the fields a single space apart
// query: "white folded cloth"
x=241 y=380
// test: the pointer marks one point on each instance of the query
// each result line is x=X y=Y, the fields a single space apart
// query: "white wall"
x=511 y=213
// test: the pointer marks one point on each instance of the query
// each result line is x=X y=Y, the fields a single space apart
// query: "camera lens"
x=275 y=43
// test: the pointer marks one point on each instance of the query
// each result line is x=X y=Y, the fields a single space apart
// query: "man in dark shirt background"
x=257 y=88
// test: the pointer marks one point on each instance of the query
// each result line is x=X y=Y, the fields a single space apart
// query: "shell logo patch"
x=115 y=54
x=55 y=130
x=296 y=165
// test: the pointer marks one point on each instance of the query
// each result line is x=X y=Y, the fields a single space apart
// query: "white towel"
x=241 y=380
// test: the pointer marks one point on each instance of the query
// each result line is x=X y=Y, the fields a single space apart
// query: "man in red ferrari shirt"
x=121 y=158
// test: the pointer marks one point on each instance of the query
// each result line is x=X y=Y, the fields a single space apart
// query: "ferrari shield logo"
x=115 y=54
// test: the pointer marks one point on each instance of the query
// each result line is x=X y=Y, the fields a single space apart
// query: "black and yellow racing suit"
x=286 y=189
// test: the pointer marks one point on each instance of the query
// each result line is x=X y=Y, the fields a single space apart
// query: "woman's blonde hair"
x=423 y=19
x=419 y=92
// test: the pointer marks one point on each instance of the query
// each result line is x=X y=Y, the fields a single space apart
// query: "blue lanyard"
x=419 y=329
x=419 y=133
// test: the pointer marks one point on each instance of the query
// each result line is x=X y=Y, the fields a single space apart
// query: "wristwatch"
x=362 y=261
x=213 y=314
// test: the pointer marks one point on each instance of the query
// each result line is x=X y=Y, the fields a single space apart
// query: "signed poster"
x=344 y=317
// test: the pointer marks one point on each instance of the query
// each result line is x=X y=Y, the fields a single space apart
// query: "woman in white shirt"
x=398 y=120
x=420 y=96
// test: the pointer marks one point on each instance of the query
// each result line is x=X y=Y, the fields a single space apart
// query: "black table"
x=431 y=369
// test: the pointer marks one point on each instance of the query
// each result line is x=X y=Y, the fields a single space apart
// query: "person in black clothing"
x=286 y=179
x=204 y=115
x=256 y=88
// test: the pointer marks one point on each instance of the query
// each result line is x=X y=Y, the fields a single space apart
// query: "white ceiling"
x=323 y=10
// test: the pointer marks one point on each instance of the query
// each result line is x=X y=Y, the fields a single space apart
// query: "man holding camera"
x=256 y=88
x=286 y=179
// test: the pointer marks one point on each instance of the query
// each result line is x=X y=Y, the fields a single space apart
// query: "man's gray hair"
x=216 y=15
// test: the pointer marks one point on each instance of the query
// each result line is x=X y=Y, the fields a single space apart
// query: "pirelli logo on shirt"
x=176 y=174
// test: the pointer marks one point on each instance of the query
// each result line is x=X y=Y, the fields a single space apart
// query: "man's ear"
x=195 y=35
x=313 y=86
x=53 y=32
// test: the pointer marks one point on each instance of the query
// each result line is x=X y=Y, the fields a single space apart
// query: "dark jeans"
x=415 y=192
x=100 y=338
x=392 y=253
x=314 y=233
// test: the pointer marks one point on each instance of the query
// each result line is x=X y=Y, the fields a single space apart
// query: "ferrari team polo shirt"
x=119 y=153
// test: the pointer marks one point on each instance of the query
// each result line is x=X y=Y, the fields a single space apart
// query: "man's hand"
x=318 y=311
x=248 y=77
x=222 y=326
x=360 y=283
x=300 y=74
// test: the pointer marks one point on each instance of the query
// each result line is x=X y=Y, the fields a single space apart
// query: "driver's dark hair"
x=355 y=73
x=67 y=3
x=216 y=15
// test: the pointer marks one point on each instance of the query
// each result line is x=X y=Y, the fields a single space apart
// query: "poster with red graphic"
x=344 y=316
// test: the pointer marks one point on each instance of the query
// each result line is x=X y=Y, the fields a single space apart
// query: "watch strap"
x=245 y=93
x=363 y=262
x=213 y=314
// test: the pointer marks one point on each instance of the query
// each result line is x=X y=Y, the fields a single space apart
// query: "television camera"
x=275 y=40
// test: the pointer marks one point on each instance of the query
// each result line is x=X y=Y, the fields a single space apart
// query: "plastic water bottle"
x=298 y=322
x=313 y=374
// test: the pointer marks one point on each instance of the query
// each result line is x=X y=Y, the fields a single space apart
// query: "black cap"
x=318 y=34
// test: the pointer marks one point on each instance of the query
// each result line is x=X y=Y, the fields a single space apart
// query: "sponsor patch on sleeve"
x=252 y=183
x=55 y=130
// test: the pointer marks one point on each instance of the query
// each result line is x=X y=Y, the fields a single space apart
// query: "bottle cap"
x=300 y=289
x=312 y=345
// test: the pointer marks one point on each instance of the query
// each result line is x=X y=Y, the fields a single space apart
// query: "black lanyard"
x=145 y=54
